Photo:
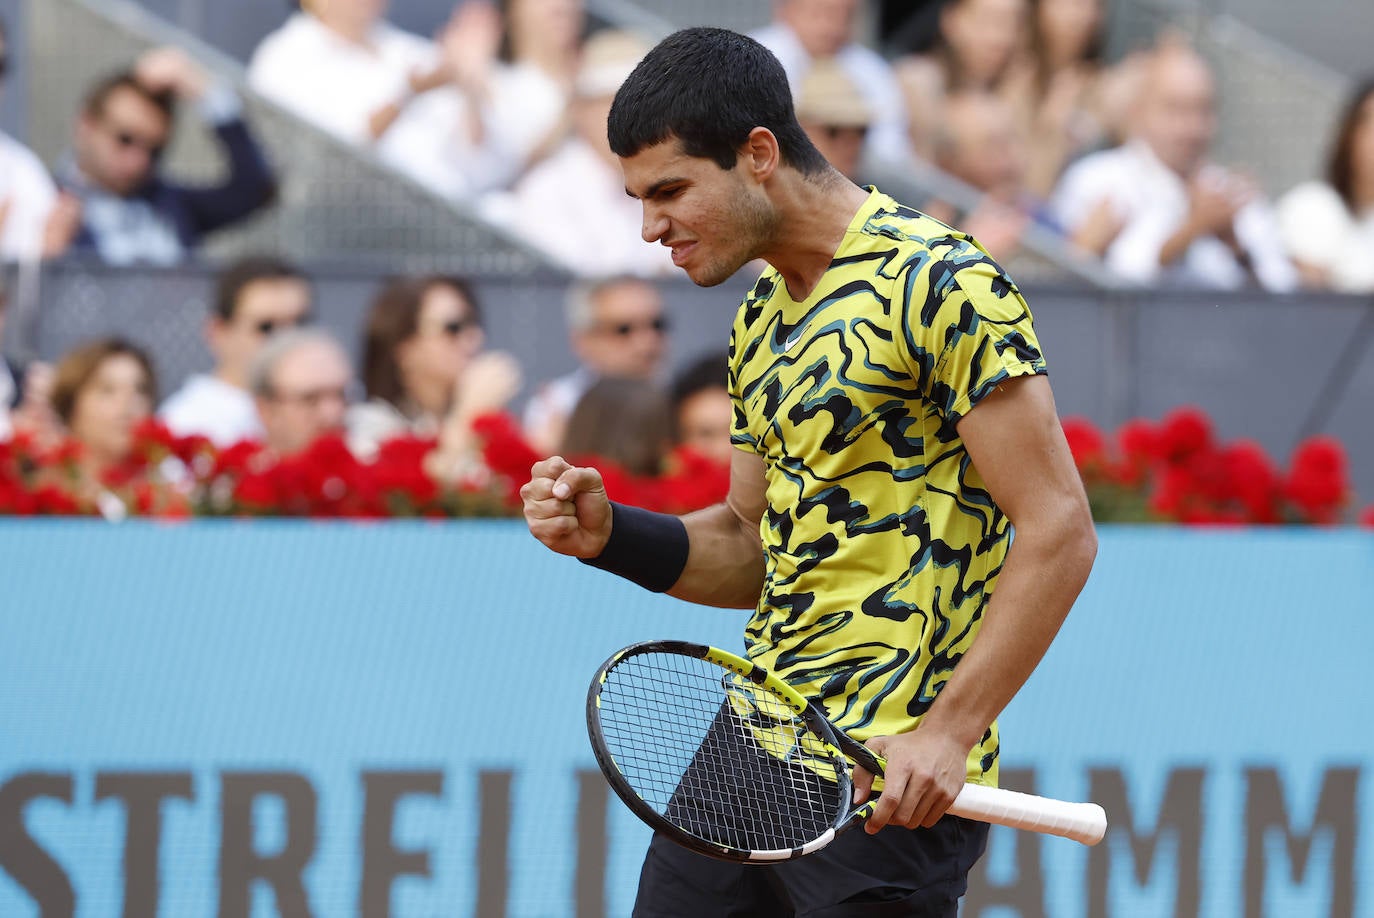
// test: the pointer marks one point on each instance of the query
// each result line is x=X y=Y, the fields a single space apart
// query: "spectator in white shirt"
x=254 y=298
x=803 y=31
x=27 y=192
x=1156 y=209
x=423 y=107
x=1328 y=226
x=617 y=326
x=573 y=205
x=973 y=48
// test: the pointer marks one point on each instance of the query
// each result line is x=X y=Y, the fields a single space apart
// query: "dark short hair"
x=1340 y=170
x=623 y=421
x=236 y=278
x=701 y=375
x=393 y=319
x=75 y=370
x=96 y=97
x=707 y=372
x=709 y=88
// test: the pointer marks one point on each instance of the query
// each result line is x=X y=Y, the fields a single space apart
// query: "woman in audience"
x=1328 y=226
x=1062 y=89
x=101 y=393
x=976 y=43
x=540 y=50
x=425 y=372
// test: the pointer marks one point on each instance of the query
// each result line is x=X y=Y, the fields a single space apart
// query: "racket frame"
x=840 y=747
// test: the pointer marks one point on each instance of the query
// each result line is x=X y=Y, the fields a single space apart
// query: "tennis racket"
x=730 y=761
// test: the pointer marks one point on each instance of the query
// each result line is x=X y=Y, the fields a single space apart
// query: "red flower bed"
x=170 y=476
x=1177 y=471
x=1172 y=471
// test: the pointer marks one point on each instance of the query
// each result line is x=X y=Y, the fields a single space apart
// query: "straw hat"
x=829 y=96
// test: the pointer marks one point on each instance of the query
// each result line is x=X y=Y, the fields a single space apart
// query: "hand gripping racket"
x=730 y=761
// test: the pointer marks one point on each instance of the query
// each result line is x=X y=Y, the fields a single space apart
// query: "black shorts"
x=911 y=873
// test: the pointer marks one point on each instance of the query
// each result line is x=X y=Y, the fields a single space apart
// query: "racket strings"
x=716 y=755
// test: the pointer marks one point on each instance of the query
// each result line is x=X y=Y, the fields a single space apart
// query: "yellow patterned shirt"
x=882 y=543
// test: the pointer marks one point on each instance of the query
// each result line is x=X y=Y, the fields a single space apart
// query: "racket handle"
x=1082 y=822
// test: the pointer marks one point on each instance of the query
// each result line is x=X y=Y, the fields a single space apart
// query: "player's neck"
x=814 y=214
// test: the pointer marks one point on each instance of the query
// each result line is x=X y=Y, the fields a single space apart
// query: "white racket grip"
x=1082 y=822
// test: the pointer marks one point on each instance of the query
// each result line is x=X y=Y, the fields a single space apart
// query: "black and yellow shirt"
x=882 y=544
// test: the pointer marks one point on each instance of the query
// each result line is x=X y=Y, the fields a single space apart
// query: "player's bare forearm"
x=725 y=561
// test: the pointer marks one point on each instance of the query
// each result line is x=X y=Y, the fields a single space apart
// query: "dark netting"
x=716 y=755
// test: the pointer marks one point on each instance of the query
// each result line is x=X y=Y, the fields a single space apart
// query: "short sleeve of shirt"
x=967 y=329
x=740 y=436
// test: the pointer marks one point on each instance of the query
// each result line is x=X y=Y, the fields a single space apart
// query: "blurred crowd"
x=505 y=109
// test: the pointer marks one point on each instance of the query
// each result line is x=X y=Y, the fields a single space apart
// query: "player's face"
x=715 y=220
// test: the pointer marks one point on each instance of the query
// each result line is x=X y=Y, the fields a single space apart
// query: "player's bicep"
x=1017 y=445
x=748 y=495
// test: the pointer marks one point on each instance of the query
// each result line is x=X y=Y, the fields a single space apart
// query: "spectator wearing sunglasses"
x=254 y=298
x=27 y=193
x=616 y=327
x=116 y=202
x=424 y=368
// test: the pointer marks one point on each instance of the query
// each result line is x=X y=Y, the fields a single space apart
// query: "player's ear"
x=761 y=154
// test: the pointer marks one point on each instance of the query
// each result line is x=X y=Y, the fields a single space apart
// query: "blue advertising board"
x=331 y=719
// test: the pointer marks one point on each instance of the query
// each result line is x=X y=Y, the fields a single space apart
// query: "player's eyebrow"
x=653 y=190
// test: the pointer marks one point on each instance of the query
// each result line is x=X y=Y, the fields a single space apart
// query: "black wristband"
x=647 y=548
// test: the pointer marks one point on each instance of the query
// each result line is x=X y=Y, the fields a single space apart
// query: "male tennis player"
x=893 y=420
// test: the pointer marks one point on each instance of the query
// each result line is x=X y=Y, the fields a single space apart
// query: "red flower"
x=399 y=475
x=1252 y=481
x=1139 y=444
x=1318 y=482
x=237 y=460
x=693 y=482
x=1184 y=432
x=504 y=447
x=50 y=500
x=1367 y=517
x=1088 y=445
x=1172 y=492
